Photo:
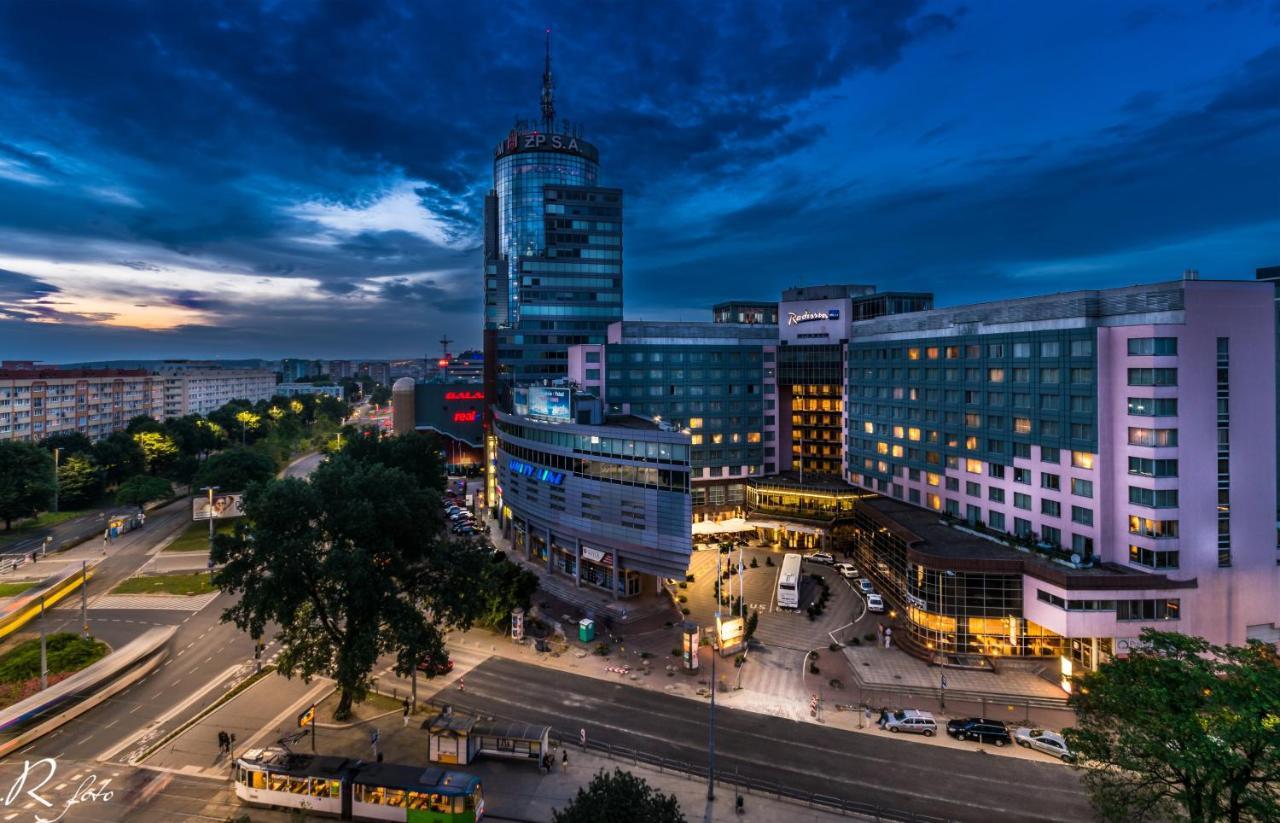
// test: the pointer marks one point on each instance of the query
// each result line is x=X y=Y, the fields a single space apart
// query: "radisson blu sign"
x=796 y=318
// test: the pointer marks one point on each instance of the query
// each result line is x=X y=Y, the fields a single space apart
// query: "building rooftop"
x=69 y=374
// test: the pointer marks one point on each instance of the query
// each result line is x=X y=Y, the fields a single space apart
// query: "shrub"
x=684 y=585
x=685 y=612
x=768 y=561
x=833 y=646
x=688 y=578
x=813 y=668
x=682 y=599
x=602 y=649
x=754 y=563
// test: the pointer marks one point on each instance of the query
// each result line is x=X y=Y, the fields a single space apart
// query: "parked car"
x=911 y=720
x=875 y=603
x=847 y=571
x=436 y=669
x=1043 y=740
x=980 y=729
x=821 y=557
x=865 y=586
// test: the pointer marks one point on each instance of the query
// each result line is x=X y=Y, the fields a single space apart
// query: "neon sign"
x=466 y=416
x=464 y=395
x=545 y=475
x=794 y=318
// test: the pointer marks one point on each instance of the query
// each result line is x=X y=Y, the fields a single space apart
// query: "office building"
x=746 y=311
x=200 y=391
x=298 y=389
x=454 y=412
x=37 y=402
x=379 y=371
x=552 y=250
x=341 y=370
x=1101 y=461
x=601 y=499
x=713 y=380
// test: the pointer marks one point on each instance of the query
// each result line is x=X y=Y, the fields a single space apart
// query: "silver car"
x=911 y=720
x=1045 y=741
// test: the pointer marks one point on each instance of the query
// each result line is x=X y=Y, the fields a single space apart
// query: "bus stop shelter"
x=460 y=738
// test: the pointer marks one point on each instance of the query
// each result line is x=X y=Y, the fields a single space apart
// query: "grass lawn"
x=196 y=537
x=11 y=589
x=192 y=583
x=43 y=520
x=20 y=666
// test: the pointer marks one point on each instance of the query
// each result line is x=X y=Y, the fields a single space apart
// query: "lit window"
x=932 y=352
x=696 y=439
x=897 y=451
x=1021 y=425
x=971 y=442
x=717 y=438
x=935 y=502
x=882 y=448
x=898 y=432
x=913 y=354
x=913 y=434
x=995 y=375
x=1082 y=460
x=753 y=437
x=932 y=479
x=869 y=427
x=973 y=466
x=695 y=422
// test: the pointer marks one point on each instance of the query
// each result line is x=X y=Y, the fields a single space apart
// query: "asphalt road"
x=870 y=768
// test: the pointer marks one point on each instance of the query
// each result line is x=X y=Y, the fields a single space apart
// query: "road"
x=871 y=768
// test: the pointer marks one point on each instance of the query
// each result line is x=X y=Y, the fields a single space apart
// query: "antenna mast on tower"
x=444 y=344
x=548 y=91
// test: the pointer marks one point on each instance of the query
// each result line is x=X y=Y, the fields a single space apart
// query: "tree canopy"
x=26 y=480
x=1181 y=729
x=414 y=453
x=142 y=489
x=620 y=797
x=79 y=481
x=234 y=469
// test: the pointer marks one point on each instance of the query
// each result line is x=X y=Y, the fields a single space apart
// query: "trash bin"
x=586 y=630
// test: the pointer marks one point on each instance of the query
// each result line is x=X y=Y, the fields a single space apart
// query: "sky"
x=230 y=179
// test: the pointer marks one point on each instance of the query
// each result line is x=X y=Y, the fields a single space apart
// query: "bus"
x=357 y=790
x=789 y=582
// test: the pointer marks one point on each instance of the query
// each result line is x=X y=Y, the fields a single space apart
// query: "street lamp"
x=209 y=511
x=711 y=742
x=57 y=453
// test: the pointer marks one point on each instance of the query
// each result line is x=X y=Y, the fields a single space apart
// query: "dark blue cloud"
x=221 y=152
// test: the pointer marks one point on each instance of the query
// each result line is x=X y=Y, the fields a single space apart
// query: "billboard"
x=553 y=403
x=224 y=505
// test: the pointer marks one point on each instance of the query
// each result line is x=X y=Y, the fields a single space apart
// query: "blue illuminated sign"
x=545 y=475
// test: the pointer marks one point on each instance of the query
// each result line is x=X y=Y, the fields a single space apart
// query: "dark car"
x=436 y=669
x=979 y=729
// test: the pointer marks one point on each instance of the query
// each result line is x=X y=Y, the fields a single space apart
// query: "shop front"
x=597 y=568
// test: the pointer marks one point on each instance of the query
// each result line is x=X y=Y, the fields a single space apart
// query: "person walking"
x=222 y=742
x=406 y=712
x=564 y=761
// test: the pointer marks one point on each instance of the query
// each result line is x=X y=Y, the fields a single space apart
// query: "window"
x=1157 y=438
x=973 y=421
x=1021 y=527
x=1051 y=508
x=1081 y=377
x=1022 y=375
x=995 y=350
x=1153 y=559
x=1146 y=527
x=1049 y=376
x=995 y=470
x=1050 y=481
x=1082 y=515
x=995 y=520
x=1153 y=346
x=1021 y=401
x=1022 y=501
x=1050 y=348
x=1049 y=455
x=1153 y=377
x=1153 y=406
x=1050 y=402
x=1081 y=488
x=995 y=494
x=1082 y=545
x=1021 y=349
x=973 y=466
x=1021 y=425
x=1050 y=598
x=1153 y=498
x=1022 y=476
x=995 y=375
x=1081 y=348
x=1081 y=431
x=1147 y=467
x=1051 y=535
x=1022 y=450
x=1148 y=609
x=1080 y=403
x=973 y=489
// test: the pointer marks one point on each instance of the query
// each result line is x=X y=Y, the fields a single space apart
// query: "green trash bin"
x=586 y=630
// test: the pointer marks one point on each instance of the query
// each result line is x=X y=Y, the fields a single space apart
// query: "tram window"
x=393 y=797
x=335 y=788
x=357 y=793
x=458 y=804
x=416 y=800
x=257 y=780
x=439 y=803
x=279 y=783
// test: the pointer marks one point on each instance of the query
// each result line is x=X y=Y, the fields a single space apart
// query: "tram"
x=357 y=790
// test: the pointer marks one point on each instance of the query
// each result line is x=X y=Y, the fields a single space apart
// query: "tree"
x=351 y=565
x=26 y=480
x=234 y=469
x=620 y=797
x=158 y=449
x=415 y=453
x=119 y=457
x=142 y=489
x=507 y=586
x=79 y=481
x=143 y=423
x=1181 y=729
x=68 y=443
x=380 y=396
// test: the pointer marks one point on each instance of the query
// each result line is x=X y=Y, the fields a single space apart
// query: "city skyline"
x=326 y=198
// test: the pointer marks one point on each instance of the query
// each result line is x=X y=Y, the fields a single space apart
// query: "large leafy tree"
x=158 y=449
x=1181 y=729
x=68 y=443
x=118 y=457
x=351 y=565
x=141 y=489
x=79 y=481
x=415 y=453
x=26 y=480
x=234 y=469
x=620 y=797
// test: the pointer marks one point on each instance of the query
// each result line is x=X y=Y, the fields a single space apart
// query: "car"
x=436 y=669
x=865 y=586
x=875 y=603
x=464 y=528
x=980 y=729
x=910 y=720
x=821 y=557
x=462 y=516
x=1043 y=740
x=847 y=571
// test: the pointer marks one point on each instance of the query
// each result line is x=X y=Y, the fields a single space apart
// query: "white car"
x=910 y=720
x=865 y=586
x=821 y=557
x=875 y=603
x=1043 y=740
x=847 y=571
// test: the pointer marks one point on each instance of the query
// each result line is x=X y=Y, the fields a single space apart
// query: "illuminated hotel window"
x=932 y=479
x=868 y=427
x=695 y=422
x=717 y=438
x=1021 y=425
x=995 y=375
x=1082 y=460
x=971 y=442
x=913 y=433
x=932 y=352
x=897 y=451
x=913 y=353
x=696 y=439
x=973 y=466
x=935 y=502
x=882 y=448
x=898 y=432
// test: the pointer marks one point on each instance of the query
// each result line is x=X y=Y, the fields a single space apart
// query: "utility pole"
x=44 y=655
x=209 y=512
x=84 y=598
x=57 y=453
x=711 y=741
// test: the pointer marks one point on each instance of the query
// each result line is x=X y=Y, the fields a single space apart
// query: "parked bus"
x=789 y=582
x=356 y=790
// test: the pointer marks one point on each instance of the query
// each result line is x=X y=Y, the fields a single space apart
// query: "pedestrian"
x=406 y=712
x=222 y=742
x=884 y=716
x=462 y=686
x=564 y=761
x=888 y=636
x=142 y=520
x=866 y=713
x=104 y=546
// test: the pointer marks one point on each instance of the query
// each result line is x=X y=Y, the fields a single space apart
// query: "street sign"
x=307 y=718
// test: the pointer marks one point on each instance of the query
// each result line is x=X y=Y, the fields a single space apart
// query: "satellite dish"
x=1075 y=559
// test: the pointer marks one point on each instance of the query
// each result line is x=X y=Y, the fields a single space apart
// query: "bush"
x=835 y=683
x=768 y=561
x=682 y=599
x=813 y=668
x=754 y=563
x=684 y=585
x=833 y=646
x=603 y=649
x=685 y=612
x=688 y=578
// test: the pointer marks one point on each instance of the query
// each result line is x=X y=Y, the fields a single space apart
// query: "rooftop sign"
x=796 y=318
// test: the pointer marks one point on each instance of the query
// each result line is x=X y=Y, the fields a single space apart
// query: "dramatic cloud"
x=301 y=179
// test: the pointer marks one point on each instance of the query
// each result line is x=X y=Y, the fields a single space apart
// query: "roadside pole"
x=44 y=657
x=84 y=598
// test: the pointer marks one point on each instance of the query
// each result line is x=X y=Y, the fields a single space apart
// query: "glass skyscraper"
x=552 y=250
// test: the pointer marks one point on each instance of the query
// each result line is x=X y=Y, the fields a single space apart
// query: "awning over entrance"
x=797 y=528
x=733 y=525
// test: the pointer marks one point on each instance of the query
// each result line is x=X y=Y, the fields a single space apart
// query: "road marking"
x=168 y=715
x=86 y=739
x=112 y=723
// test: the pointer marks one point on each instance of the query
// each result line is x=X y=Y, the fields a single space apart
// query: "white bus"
x=789 y=582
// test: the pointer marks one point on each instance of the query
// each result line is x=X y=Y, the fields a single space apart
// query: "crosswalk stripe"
x=155 y=602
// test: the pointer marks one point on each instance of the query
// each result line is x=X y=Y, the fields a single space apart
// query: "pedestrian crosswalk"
x=153 y=602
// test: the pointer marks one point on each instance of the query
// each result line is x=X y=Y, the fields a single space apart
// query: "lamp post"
x=209 y=511
x=57 y=453
x=711 y=741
